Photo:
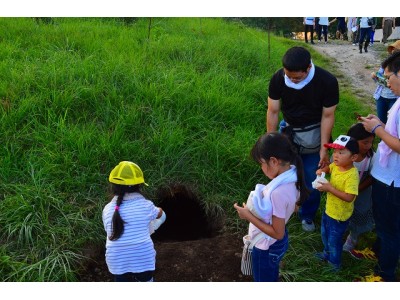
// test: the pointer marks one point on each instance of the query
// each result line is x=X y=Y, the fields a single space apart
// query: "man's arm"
x=327 y=122
x=272 y=118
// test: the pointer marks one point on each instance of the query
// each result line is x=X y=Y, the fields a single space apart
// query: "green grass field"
x=185 y=99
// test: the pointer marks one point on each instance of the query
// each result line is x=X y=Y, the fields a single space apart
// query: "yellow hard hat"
x=126 y=173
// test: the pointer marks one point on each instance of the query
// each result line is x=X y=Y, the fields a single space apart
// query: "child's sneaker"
x=367 y=253
x=349 y=244
x=308 y=225
x=370 y=278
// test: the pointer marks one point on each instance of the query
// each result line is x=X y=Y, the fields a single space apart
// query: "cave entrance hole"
x=187 y=218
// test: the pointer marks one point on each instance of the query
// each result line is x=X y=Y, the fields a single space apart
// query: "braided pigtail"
x=117 y=222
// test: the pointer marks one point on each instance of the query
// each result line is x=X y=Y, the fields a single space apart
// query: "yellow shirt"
x=347 y=182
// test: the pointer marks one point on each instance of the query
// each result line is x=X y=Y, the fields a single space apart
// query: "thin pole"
x=149 y=29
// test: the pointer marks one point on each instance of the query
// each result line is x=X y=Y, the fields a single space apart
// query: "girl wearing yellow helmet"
x=129 y=219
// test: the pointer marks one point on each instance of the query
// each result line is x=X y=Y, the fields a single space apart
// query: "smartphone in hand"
x=357 y=115
x=380 y=79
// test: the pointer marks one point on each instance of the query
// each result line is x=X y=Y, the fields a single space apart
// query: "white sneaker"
x=307 y=226
x=349 y=244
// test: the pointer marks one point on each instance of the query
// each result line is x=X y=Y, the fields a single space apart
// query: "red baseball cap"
x=344 y=141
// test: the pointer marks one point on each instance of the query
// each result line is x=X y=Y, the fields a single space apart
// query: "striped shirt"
x=134 y=250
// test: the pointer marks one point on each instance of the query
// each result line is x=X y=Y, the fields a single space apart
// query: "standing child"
x=127 y=219
x=341 y=193
x=362 y=219
x=279 y=162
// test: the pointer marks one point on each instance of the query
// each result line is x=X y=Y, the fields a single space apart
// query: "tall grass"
x=186 y=103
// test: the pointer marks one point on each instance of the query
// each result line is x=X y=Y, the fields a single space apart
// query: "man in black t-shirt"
x=307 y=95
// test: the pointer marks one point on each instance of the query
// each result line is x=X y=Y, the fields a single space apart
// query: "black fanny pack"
x=307 y=139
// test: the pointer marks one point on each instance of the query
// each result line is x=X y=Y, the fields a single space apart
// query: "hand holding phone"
x=357 y=115
x=380 y=79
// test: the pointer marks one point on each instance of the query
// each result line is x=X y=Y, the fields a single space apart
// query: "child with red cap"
x=341 y=189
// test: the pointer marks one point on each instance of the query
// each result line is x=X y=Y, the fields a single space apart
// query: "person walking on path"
x=372 y=31
x=309 y=23
x=307 y=95
x=341 y=28
x=352 y=29
x=272 y=205
x=388 y=24
x=323 y=28
x=365 y=32
x=386 y=185
x=129 y=219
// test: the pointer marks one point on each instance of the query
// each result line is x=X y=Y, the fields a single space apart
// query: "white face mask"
x=304 y=82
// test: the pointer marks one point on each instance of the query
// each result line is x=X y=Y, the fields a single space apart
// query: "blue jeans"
x=323 y=29
x=332 y=232
x=386 y=210
x=371 y=36
x=382 y=107
x=266 y=262
x=364 y=35
x=309 y=208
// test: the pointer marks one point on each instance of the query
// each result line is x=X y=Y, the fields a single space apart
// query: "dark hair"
x=392 y=62
x=278 y=145
x=358 y=132
x=117 y=228
x=296 y=59
x=352 y=146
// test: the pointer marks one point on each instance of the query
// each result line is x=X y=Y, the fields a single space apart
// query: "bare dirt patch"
x=215 y=259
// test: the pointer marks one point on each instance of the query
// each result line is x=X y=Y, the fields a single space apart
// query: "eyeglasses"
x=388 y=77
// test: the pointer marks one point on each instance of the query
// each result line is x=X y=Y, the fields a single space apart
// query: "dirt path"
x=356 y=67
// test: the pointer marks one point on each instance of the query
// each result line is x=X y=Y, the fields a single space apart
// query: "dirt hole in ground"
x=187 y=216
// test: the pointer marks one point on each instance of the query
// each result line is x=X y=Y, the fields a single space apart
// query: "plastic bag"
x=320 y=178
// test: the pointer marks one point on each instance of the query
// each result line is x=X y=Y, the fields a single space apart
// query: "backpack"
x=371 y=21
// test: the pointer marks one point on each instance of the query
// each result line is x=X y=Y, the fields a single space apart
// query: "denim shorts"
x=266 y=262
